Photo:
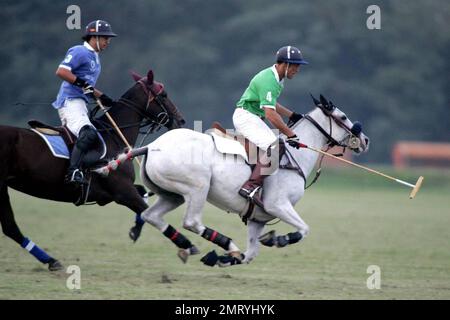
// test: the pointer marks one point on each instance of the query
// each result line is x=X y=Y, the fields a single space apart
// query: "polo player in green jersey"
x=259 y=102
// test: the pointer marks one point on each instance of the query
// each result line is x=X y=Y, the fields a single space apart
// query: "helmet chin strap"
x=286 y=71
x=97 y=43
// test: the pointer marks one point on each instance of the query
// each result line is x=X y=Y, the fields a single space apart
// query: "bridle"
x=330 y=143
x=329 y=135
x=162 y=118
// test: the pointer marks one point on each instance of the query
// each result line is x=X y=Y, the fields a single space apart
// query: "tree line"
x=394 y=80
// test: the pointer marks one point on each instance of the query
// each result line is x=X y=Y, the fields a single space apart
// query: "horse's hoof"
x=193 y=250
x=135 y=233
x=183 y=254
x=55 y=265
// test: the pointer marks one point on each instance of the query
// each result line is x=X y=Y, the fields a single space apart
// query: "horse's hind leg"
x=154 y=215
x=11 y=230
x=193 y=222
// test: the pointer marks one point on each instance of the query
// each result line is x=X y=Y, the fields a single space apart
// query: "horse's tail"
x=121 y=158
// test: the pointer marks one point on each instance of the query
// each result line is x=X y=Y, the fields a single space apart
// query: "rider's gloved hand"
x=86 y=87
x=293 y=141
x=88 y=90
x=106 y=101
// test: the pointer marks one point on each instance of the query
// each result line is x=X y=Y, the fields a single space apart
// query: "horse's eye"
x=343 y=117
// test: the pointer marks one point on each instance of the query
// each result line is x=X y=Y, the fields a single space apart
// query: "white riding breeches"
x=74 y=115
x=253 y=128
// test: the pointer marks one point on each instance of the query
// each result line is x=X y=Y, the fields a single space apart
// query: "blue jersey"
x=84 y=63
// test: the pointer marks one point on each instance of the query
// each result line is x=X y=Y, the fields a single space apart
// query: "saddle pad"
x=59 y=148
x=228 y=146
x=56 y=145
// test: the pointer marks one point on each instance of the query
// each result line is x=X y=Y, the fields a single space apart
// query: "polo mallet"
x=148 y=194
x=116 y=127
x=415 y=188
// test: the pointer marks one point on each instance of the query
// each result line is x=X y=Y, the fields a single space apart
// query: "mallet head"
x=416 y=188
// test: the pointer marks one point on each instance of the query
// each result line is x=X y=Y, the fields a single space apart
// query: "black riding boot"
x=250 y=189
x=86 y=139
x=74 y=174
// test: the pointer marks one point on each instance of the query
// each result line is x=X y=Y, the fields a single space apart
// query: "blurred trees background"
x=395 y=80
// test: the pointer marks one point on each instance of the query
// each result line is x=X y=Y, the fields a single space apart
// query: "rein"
x=331 y=141
x=330 y=144
x=162 y=118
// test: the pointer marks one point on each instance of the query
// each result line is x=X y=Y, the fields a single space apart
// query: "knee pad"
x=87 y=138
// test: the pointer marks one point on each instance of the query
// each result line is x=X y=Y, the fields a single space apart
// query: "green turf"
x=355 y=220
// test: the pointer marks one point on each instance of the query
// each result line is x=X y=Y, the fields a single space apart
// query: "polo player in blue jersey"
x=80 y=70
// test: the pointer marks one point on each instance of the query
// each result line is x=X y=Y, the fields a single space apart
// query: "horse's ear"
x=136 y=77
x=331 y=104
x=323 y=101
x=316 y=102
x=150 y=77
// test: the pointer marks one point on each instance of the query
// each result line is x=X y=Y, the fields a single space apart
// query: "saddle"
x=68 y=137
x=53 y=135
x=92 y=158
x=251 y=149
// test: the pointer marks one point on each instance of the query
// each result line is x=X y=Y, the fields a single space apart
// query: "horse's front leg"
x=254 y=230
x=135 y=231
x=124 y=192
x=286 y=213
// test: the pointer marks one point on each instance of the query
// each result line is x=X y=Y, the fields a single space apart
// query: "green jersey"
x=263 y=91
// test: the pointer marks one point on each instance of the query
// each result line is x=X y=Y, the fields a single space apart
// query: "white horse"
x=185 y=166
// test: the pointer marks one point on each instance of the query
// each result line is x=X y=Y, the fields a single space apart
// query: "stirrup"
x=252 y=196
x=77 y=177
x=247 y=193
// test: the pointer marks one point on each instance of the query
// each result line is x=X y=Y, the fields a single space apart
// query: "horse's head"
x=149 y=98
x=338 y=128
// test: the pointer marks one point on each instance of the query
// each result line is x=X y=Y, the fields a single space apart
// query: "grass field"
x=356 y=220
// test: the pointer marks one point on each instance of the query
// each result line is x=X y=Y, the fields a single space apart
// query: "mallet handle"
x=116 y=128
x=357 y=165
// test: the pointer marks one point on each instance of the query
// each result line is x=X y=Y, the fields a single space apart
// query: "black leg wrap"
x=217 y=238
x=290 y=238
x=210 y=259
x=282 y=241
x=268 y=239
x=294 y=237
x=227 y=260
x=177 y=238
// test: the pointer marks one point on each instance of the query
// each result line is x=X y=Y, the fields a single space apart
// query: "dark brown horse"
x=27 y=165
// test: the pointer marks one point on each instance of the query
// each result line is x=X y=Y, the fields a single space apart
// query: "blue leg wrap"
x=139 y=220
x=37 y=252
